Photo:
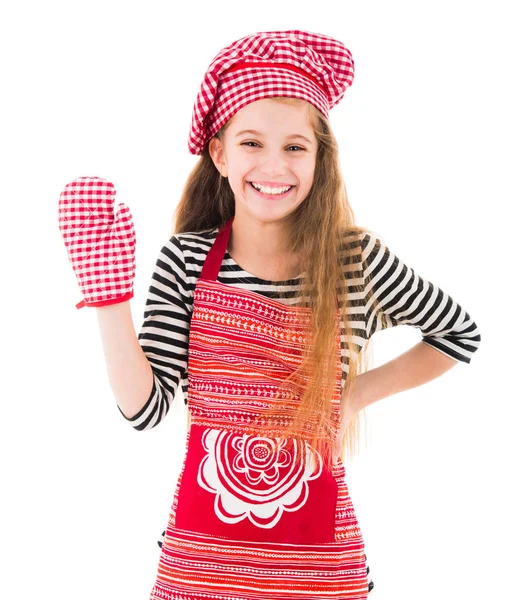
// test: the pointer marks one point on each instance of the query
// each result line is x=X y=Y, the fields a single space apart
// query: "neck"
x=265 y=240
x=261 y=249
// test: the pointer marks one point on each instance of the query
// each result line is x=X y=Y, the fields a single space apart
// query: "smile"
x=274 y=196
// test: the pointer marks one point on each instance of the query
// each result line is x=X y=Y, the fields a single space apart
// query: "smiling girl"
x=262 y=304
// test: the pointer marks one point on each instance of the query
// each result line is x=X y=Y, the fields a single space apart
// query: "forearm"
x=130 y=373
x=417 y=366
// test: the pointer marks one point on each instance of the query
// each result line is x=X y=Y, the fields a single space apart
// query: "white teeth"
x=270 y=190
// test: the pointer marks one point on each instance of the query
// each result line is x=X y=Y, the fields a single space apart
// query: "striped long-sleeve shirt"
x=403 y=298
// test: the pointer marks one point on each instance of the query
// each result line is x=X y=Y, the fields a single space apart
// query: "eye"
x=246 y=143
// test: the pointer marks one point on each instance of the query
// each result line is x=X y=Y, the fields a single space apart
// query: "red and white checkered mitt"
x=101 y=245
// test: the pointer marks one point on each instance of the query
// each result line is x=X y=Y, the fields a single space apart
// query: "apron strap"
x=212 y=264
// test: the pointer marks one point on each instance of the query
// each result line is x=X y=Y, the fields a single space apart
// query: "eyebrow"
x=292 y=135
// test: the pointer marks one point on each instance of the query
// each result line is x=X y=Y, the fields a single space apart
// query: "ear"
x=216 y=151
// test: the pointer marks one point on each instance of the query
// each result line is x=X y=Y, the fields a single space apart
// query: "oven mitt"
x=100 y=244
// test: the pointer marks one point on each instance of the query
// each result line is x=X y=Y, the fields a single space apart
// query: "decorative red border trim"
x=107 y=302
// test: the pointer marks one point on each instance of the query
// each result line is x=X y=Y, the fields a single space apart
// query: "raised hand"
x=100 y=244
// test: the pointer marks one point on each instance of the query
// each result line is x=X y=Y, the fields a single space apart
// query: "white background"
x=107 y=88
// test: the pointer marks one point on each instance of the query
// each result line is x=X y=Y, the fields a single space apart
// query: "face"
x=277 y=156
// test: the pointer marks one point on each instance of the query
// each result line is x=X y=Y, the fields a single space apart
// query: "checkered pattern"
x=101 y=245
x=292 y=63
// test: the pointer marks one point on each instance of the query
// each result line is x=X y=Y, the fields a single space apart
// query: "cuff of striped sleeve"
x=107 y=302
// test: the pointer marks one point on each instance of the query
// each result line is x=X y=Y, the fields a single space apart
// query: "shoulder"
x=371 y=244
x=194 y=245
x=186 y=252
x=181 y=245
x=196 y=240
x=361 y=243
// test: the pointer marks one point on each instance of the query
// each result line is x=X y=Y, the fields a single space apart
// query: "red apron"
x=246 y=521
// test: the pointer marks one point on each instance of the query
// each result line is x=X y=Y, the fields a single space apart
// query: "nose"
x=273 y=164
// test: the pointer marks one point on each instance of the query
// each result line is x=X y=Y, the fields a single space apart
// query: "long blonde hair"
x=322 y=234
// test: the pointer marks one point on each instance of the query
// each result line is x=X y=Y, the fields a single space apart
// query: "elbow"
x=154 y=410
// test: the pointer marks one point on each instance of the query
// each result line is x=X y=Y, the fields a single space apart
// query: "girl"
x=262 y=304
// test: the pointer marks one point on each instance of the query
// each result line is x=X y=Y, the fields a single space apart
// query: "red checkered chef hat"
x=293 y=63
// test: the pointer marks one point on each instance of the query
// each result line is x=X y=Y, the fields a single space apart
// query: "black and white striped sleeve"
x=164 y=334
x=405 y=298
